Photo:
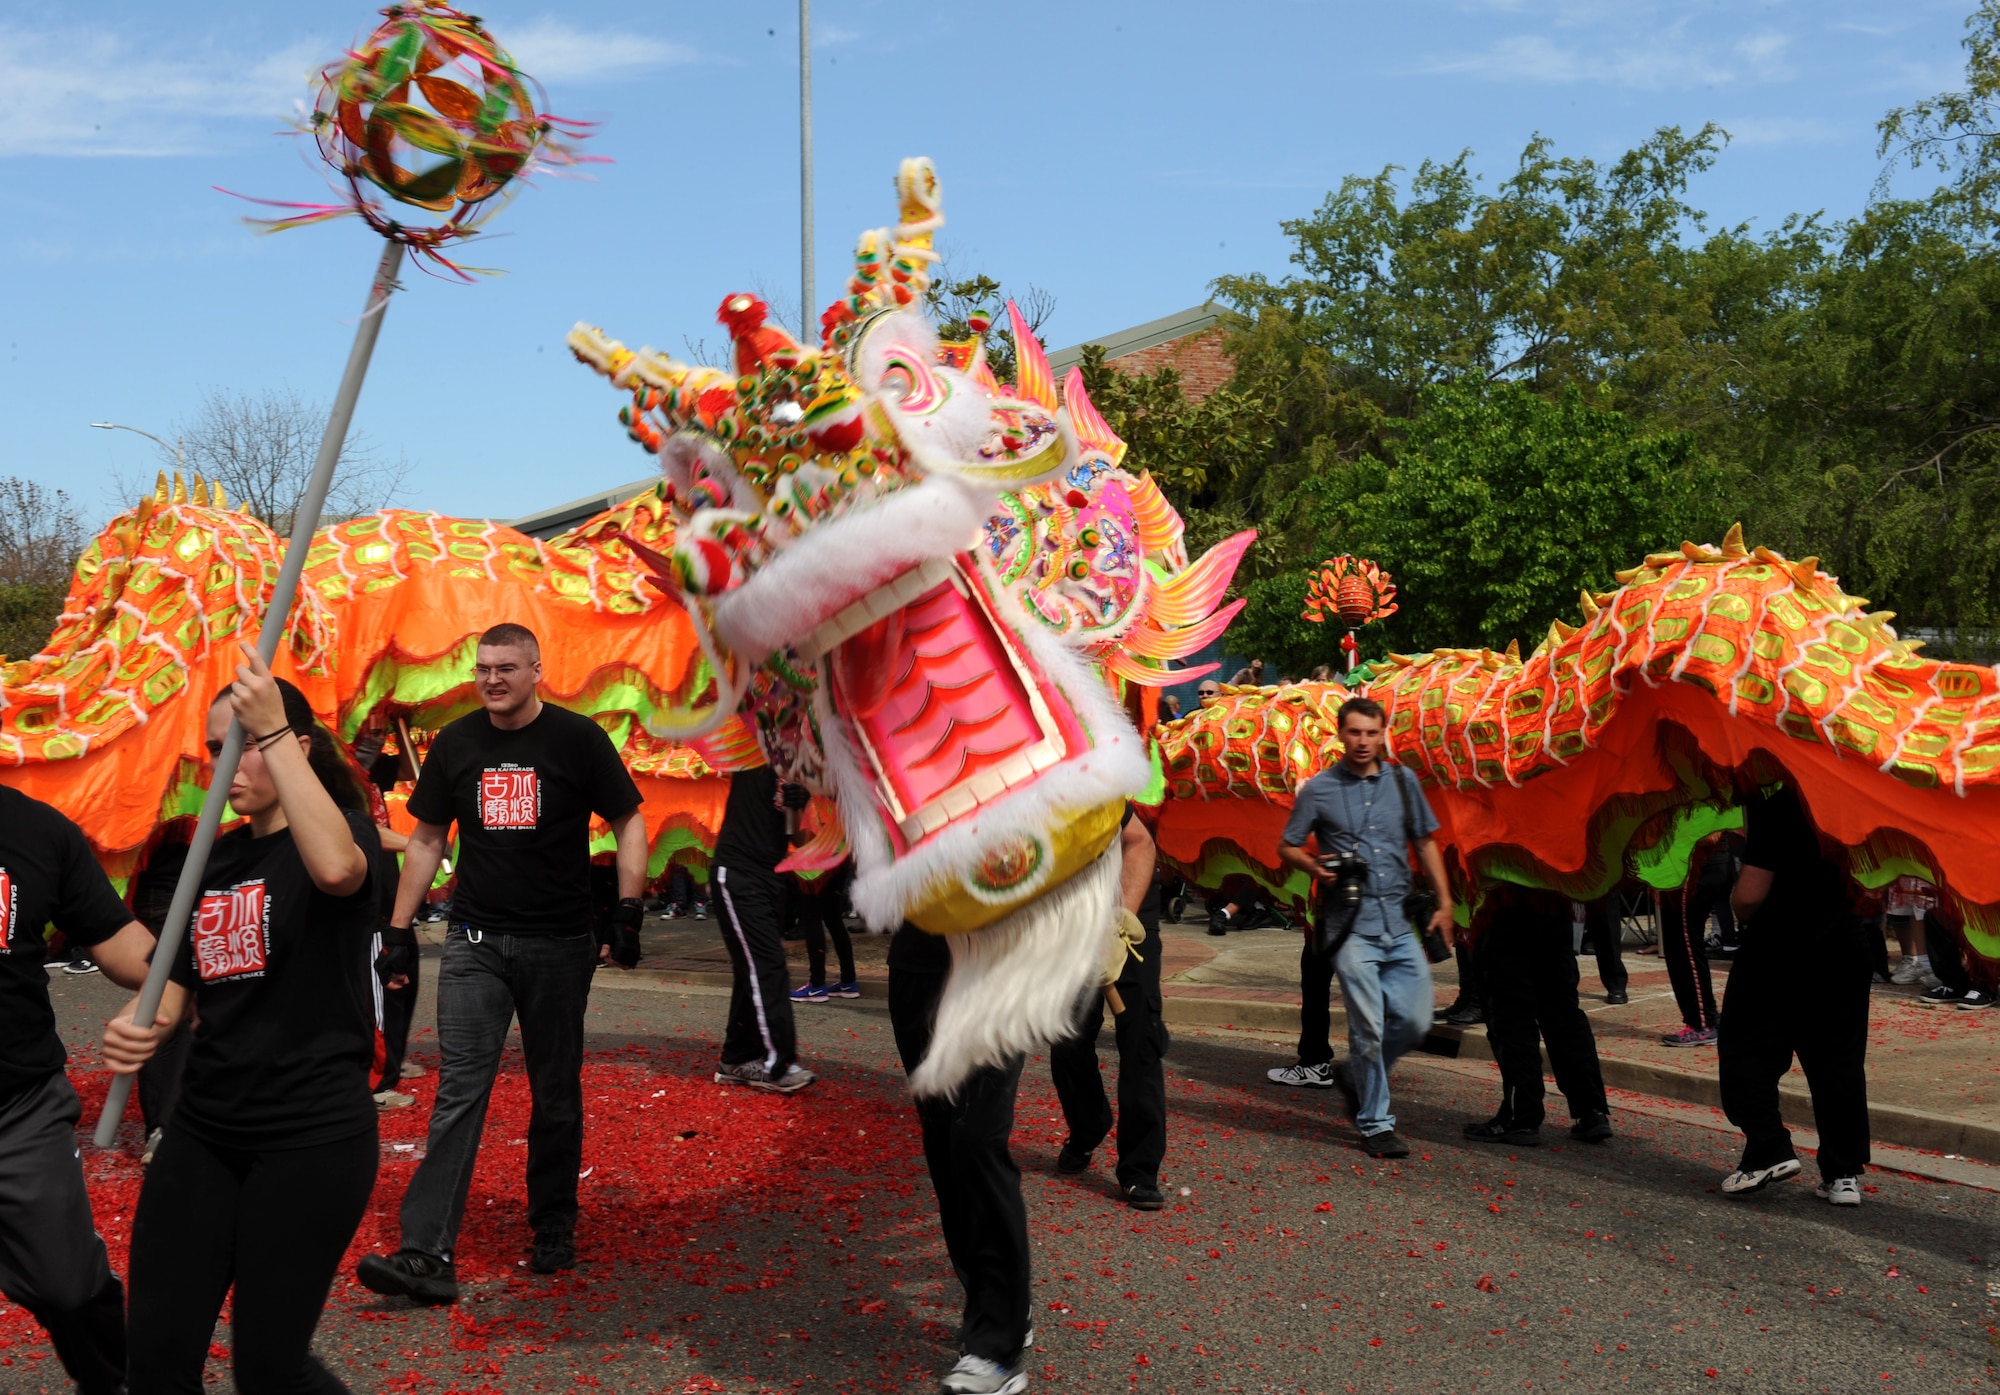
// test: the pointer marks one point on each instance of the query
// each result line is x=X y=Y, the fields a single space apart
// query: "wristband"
x=260 y=742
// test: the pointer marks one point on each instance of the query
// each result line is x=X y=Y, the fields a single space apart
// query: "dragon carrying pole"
x=277 y=620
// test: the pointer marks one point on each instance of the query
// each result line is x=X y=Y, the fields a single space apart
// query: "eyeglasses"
x=496 y=670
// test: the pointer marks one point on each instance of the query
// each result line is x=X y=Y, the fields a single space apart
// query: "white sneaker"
x=1319 y=1077
x=975 y=1375
x=1841 y=1191
x=1907 y=972
x=393 y=1099
x=1742 y=1183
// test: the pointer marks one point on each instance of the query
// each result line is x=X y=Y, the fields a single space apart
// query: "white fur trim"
x=832 y=565
x=1015 y=985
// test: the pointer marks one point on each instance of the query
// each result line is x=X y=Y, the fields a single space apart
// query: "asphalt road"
x=738 y=1242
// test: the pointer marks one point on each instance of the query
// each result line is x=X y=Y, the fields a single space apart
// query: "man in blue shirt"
x=1377 y=813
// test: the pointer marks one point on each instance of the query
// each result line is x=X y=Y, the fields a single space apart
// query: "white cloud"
x=1781 y=130
x=553 y=51
x=89 y=92
x=1662 y=62
x=86 y=91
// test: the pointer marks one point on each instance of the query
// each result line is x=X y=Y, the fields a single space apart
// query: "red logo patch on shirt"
x=231 y=934
x=510 y=796
x=6 y=910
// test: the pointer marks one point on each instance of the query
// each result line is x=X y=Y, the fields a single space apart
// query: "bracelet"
x=264 y=742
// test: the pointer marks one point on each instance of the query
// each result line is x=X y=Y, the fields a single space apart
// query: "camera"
x=1340 y=898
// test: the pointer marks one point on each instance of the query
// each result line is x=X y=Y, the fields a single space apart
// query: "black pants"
x=1468 y=975
x=1527 y=970
x=399 y=1005
x=52 y=1262
x=1315 y=1005
x=978 y=1185
x=750 y=912
x=1805 y=995
x=1684 y=945
x=483 y=984
x=1604 y=921
x=822 y=911
x=271 y=1223
x=160 y=1079
x=1947 y=955
x=1142 y=1080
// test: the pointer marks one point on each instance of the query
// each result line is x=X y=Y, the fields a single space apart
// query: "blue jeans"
x=1386 y=982
x=482 y=984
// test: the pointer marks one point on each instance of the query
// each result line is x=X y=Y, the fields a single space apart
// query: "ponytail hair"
x=336 y=776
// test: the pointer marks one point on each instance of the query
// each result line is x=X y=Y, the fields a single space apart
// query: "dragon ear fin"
x=1034 y=380
x=1590 y=606
x=1732 y=543
x=1513 y=651
x=160 y=494
x=180 y=494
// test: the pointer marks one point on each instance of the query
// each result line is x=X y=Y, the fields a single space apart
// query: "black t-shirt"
x=281 y=975
x=522 y=800
x=753 y=823
x=1149 y=908
x=47 y=876
x=1808 y=892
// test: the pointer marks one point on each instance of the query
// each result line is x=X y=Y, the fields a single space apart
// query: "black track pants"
x=1142 y=1082
x=978 y=1185
x=51 y=1260
x=1803 y=995
x=1315 y=1006
x=750 y=912
x=1528 y=974
x=273 y=1224
x=1684 y=945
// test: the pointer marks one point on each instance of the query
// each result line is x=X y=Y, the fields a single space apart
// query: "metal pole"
x=277 y=618
x=808 y=302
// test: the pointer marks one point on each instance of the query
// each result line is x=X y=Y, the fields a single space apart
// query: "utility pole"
x=808 y=301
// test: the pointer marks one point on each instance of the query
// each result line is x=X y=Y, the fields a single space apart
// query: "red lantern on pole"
x=1356 y=591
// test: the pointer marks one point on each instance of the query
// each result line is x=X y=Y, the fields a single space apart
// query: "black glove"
x=794 y=796
x=622 y=931
x=399 y=953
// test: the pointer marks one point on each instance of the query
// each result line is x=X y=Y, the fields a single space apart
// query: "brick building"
x=1189 y=342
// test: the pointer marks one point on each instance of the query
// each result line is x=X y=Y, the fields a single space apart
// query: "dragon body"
x=1618 y=741
x=106 y=722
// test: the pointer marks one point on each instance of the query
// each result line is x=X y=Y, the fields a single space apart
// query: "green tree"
x=40 y=537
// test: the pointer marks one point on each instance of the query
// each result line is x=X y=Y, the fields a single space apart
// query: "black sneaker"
x=1594 y=1127
x=1465 y=1014
x=1218 y=921
x=554 y=1250
x=1072 y=1159
x=1944 y=995
x=1498 y=1130
x=409 y=1274
x=1141 y=1197
x=1617 y=997
x=1975 y=999
x=1386 y=1144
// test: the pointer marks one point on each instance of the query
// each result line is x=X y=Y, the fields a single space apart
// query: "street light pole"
x=180 y=456
x=808 y=302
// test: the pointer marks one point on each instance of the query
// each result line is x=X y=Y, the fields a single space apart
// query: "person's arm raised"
x=334 y=861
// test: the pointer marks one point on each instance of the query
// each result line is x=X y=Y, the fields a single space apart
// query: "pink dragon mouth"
x=949 y=709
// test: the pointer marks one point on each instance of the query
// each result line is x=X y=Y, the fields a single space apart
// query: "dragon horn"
x=1093 y=432
x=1034 y=380
x=1189 y=597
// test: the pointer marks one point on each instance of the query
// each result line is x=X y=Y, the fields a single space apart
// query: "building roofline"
x=1145 y=336
x=546 y=523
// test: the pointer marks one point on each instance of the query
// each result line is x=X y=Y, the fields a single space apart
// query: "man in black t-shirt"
x=52 y=1262
x=760 y=1043
x=520 y=779
x=1799 y=985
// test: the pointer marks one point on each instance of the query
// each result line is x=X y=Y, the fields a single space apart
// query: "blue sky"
x=1118 y=155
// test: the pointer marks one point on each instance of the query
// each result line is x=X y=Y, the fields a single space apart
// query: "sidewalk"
x=1933 y=1074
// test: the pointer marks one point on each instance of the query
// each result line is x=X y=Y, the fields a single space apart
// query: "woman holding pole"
x=266 y=1173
